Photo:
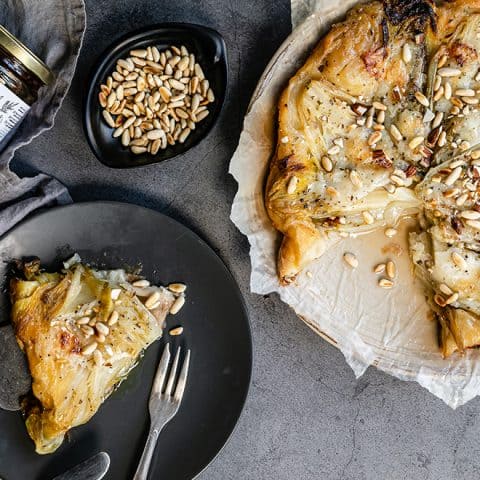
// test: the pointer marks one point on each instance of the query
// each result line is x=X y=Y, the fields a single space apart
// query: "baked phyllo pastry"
x=82 y=331
x=383 y=121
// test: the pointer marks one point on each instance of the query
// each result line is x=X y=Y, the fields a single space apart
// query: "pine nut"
x=385 y=283
x=454 y=176
x=327 y=164
x=292 y=185
x=87 y=329
x=355 y=179
x=475 y=224
x=176 y=331
x=177 y=305
x=334 y=150
x=451 y=299
x=152 y=299
x=442 y=139
x=406 y=53
x=422 y=99
x=374 y=138
x=350 y=259
x=113 y=319
x=108 y=118
x=115 y=293
x=89 y=349
x=102 y=328
x=379 y=106
x=177 y=287
x=83 y=321
x=449 y=72
x=391 y=270
x=395 y=133
x=459 y=261
x=448 y=91
x=437 y=120
x=380 y=268
x=439 y=93
x=415 y=142
x=465 y=92
x=470 y=214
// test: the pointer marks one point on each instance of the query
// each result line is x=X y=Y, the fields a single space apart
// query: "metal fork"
x=162 y=406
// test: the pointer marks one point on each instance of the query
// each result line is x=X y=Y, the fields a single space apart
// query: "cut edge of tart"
x=382 y=122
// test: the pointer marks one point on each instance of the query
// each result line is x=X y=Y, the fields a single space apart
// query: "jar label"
x=12 y=111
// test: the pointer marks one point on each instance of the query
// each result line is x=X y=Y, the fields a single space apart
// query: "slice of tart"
x=82 y=331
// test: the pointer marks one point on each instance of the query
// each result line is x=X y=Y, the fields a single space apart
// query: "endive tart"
x=383 y=121
x=82 y=331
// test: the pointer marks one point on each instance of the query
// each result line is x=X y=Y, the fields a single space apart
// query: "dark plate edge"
x=251 y=358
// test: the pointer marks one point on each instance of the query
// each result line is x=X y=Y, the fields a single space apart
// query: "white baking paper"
x=391 y=329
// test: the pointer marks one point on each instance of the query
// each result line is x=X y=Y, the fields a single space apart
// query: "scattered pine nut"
x=177 y=305
x=449 y=72
x=380 y=268
x=176 y=331
x=451 y=299
x=89 y=348
x=350 y=259
x=445 y=289
x=177 y=287
x=292 y=185
x=391 y=270
x=415 y=142
x=422 y=99
x=459 y=261
x=406 y=53
x=385 y=283
x=152 y=300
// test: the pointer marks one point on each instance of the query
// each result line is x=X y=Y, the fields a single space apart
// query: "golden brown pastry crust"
x=359 y=60
x=354 y=58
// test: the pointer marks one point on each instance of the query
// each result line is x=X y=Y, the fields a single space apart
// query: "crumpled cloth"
x=53 y=30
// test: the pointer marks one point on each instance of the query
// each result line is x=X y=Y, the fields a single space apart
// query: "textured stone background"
x=306 y=417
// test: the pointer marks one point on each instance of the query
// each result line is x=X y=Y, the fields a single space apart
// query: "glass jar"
x=22 y=74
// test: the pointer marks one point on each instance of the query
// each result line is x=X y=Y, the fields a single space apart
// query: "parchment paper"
x=391 y=329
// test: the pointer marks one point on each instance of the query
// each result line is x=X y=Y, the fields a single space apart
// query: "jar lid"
x=25 y=56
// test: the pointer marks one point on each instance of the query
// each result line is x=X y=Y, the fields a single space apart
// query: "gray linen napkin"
x=53 y=30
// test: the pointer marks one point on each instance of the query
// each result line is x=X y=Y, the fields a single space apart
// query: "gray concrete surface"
x=306 y=416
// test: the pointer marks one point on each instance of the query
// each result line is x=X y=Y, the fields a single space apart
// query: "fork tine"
x=161 y=371
x=173 y=373
x=182 y=380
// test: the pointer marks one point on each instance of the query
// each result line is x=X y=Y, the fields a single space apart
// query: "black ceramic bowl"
x=209 y=49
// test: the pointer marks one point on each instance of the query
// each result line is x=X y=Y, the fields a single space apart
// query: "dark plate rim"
x=112 y=51
x=251 y=360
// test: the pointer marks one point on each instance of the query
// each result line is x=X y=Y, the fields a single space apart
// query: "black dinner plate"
x=210 y=52
x=216 y=329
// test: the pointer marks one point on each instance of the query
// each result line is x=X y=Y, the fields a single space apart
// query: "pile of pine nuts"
x=154 y=99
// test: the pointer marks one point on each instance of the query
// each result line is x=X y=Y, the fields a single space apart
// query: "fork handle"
x=144 y=464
